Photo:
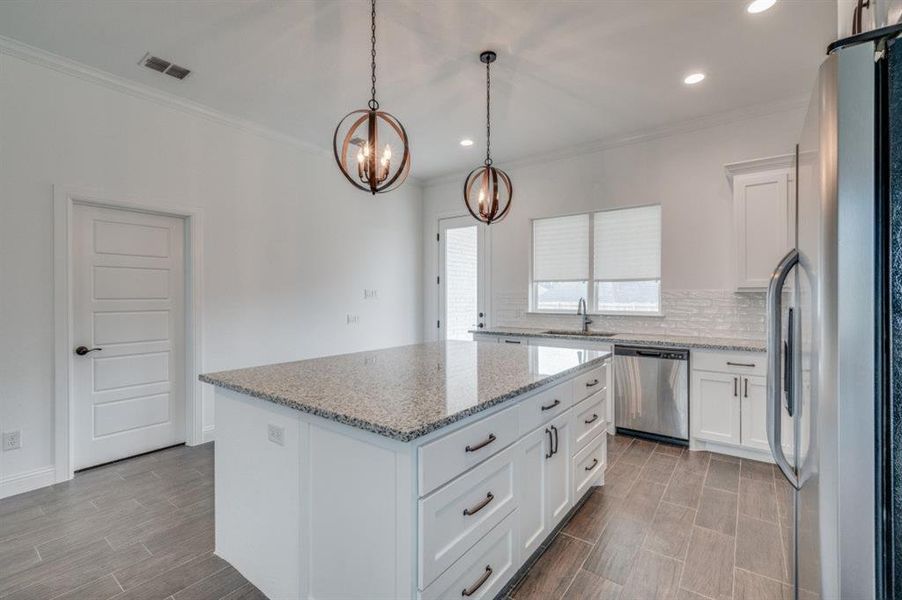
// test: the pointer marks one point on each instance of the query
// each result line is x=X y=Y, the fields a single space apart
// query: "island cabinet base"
x=314 y=509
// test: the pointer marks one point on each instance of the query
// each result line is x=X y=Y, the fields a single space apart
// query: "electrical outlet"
x=12 y=440
x=353 y=319
x=276 y=434
x=370 y=294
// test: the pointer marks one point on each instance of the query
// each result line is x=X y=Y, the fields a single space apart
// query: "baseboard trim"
x=209 y=434
x=27 y=481
x=738 y=452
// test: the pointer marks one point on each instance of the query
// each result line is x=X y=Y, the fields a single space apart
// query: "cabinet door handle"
x=482 y=444
x=556 y=440
x=550 y=444
x=592 y=420
x=475 y=509
x=478 y=584
x=736 y=364
x=593 y=465
x=592 y=383
x=735 y=385
x=552 y=405
x=746 y=383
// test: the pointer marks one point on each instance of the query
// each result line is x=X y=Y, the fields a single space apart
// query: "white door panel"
x=128 y=300
x=462 y=277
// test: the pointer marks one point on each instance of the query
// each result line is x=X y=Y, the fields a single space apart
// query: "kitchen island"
x=432 y=470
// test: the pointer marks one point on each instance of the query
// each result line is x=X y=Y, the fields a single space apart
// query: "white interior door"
x=129 y=323
x=461 y=279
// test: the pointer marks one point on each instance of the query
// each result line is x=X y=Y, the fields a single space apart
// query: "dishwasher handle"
x=648 y=352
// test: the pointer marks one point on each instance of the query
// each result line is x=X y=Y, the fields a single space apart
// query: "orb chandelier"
x=487 y=189
x=364 y=138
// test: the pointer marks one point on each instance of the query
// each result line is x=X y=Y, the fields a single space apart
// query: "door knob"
x=82 y=350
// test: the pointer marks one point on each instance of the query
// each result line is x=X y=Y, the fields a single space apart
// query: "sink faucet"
x=581 y=310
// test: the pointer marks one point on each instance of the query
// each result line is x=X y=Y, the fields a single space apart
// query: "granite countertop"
x=406 y=392
x=640 y=339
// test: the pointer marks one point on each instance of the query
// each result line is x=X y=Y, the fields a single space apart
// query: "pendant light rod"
x=488 y=57
x=373 y=104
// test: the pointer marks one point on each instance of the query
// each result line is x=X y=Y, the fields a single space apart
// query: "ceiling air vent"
x=164 y=66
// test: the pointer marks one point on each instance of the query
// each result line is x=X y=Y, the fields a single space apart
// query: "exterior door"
x=461 y=278
x=128 y=331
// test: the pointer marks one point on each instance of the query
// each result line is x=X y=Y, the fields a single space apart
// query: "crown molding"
x=781 y=161
x=96 y=76
x=638 y=137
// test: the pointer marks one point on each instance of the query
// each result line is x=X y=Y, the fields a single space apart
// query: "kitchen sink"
x=579 y=332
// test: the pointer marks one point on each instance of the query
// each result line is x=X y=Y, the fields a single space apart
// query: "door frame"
x=64 y=201
x=486 y=267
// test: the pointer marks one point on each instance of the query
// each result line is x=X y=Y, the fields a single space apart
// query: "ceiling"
x=568 y=72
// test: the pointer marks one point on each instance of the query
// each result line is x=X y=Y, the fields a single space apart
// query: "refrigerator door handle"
x=774 y=351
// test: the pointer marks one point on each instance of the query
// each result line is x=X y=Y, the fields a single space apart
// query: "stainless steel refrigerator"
x=829 y=321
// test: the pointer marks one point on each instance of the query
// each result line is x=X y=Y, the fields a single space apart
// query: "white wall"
x=289 y=245
x=684 y=172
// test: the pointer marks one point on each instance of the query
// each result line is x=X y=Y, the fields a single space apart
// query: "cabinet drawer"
x=588 y=383
x=484 y=569
x=589 y=465
x=447 y=457
x=544 y=406
x=454 y=517
x=746 y=363
x=589 y=418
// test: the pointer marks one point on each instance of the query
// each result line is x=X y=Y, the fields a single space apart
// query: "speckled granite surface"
x=406 y=392
x=681 y=341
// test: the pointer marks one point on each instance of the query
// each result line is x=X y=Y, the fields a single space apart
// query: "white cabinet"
x=763 y=218
x=532 y=477
x=728 y=405
x=545 y=481
x=557 y=489
x=714 y=411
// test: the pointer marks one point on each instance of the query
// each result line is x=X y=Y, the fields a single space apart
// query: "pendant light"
x=364 y=139
x=487 y=189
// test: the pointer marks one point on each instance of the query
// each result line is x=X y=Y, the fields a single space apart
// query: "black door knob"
x=481 y=325
x=82 y=350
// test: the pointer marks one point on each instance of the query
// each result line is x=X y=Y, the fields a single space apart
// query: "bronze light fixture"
x=487 y=189
x=363 y=140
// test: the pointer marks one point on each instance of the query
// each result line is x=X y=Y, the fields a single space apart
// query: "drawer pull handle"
x=472 y=511
x=482 y=444
x=485 y=577
x=592 y=420
x=552 y=405
x=593 y=465
x=592 y=383
x=736 y=364
x=512 y=342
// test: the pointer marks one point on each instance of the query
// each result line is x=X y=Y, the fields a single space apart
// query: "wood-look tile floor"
x=137 y=529
x=671 y=524
x=667 y=524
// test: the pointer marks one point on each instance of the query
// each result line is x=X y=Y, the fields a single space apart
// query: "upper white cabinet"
x=763 y=218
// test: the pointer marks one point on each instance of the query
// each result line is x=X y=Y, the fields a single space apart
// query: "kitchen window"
x=611 y=258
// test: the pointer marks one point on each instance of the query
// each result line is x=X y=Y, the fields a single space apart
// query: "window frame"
x=591 y=304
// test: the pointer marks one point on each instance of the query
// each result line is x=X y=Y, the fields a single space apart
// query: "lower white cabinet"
x=484 y=570
x=558 y=492
x=728 y=406
x=714 y=414
x=589 y=465
x=532 y=480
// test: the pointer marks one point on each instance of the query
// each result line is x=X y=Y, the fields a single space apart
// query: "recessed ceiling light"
x=693 y=78
x=758 y=6
x=466 y=142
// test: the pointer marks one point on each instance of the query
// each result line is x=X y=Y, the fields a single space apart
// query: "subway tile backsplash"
x=715 y=313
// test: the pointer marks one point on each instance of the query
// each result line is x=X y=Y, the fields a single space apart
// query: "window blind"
x=561 y=248
x=628 y=244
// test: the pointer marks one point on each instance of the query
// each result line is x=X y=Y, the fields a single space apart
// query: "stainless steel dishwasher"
x=651 y=392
